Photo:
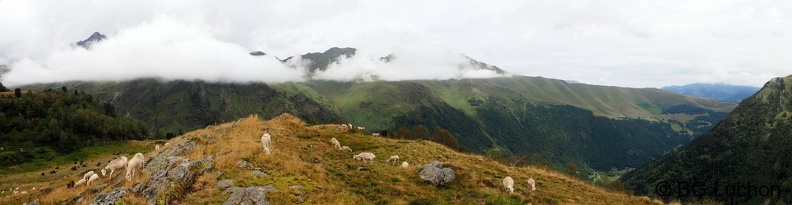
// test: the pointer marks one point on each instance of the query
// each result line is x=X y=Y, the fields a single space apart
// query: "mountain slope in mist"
x=749 y=148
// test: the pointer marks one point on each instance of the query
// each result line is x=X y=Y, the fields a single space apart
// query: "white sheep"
x=508 y=183
x=265 y=141
x=94 y=177
x=393 y=159
x=531 y=183
x=375 y=134
x=156 y=147
x=363 y=156
x=88 y=174
x=361 y=128
x=405 y=164
x=81 y=182
x=336 y=144
x=346 y=148
x=23 y=192
x=133 y=165
x=118 y=163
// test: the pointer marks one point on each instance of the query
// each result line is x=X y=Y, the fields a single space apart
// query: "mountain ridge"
x=747 y=147
x=501 y=116
x=720 y=91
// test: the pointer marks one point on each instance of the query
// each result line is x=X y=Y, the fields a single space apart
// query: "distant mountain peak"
x=95 y=37
x=257 y=53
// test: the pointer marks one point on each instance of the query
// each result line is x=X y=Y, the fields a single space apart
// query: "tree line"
x=42 y=124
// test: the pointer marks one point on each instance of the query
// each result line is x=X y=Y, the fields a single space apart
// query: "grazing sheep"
x=508 y=183
x=531 y=183
x=157 y=147
x=405 y=164
x=94 y=177
x=336 y=144
x=363 y=156
x=361 y=128
x=80 y=182
x=265 y=141
x=134 y=164
x=88 y=174
x=70 y=185
x=393 y=159
x=346 y=148
x=118 y=163
x=16 y=192
x=375 y=134
x=23 y=192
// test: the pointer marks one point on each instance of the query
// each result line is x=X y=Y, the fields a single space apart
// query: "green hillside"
x=749 y=148
x=38 y=127
x=599 y=127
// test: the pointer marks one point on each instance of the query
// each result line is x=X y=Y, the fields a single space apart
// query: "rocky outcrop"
x=435 y=174
x=248 y=195
x=172 y=175
x=109 y=198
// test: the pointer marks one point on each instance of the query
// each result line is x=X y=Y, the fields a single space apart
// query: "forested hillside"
x=39 y=125
x=750 y=148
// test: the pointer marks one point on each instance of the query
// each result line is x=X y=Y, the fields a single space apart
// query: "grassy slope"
x=392 y=98
x=29 y=175
x=336 y=180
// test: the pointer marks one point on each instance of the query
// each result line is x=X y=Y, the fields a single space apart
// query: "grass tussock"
x=304 y=168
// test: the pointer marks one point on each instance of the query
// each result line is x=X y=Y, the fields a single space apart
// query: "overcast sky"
x=622 y=43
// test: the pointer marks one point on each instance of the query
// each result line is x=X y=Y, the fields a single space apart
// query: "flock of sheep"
x=508 y=182
x=266 y=138
x=131 y=165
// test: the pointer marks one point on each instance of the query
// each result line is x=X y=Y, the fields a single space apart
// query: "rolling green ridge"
x=749 y=147
x=594 y=126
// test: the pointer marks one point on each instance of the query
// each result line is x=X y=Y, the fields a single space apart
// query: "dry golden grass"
x=302 y=155
x=57 y=182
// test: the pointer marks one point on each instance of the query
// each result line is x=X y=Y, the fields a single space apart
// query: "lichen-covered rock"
x=34 y=202
x=435 y=174
x=222 y=185
x=109 y=198
x=248 y=195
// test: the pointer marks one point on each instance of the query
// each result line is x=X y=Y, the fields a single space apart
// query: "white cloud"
x=624 y=43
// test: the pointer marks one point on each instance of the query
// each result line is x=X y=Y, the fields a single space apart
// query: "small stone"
x=34 y=202
x=295 y=187
x=242 y=164
x=260 y=174
x=248 y=195
x=224 y=184
x=98 y=188
x=435 y=174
